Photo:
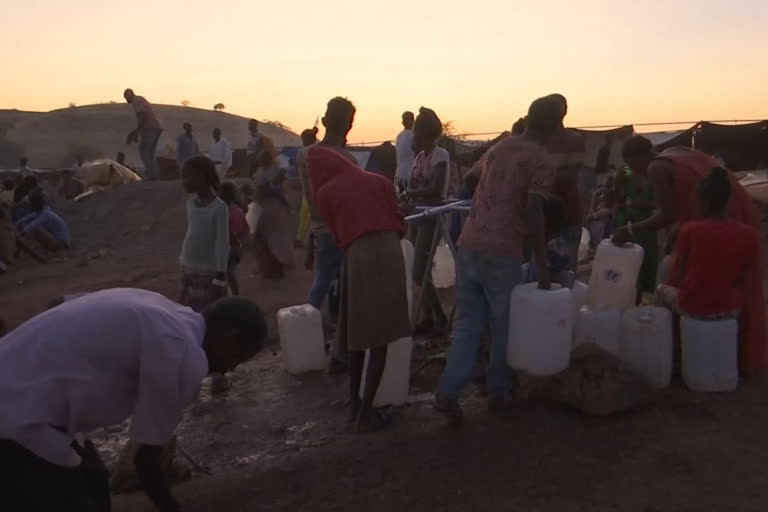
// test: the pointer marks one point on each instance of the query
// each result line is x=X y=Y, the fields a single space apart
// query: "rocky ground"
x=279 y=443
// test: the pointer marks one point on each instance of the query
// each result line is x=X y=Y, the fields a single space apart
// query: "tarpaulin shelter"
x=743 y=147
x=602 y=148
x=668 y=139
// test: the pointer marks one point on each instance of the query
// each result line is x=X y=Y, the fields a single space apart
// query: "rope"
x=594 y=127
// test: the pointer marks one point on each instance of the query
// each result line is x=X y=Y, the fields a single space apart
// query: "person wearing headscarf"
x=428 y=186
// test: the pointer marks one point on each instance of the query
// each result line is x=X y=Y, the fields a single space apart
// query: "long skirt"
x=274 y=239
x=374 y=305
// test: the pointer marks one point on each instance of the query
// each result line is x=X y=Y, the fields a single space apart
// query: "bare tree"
x=219 y=107
x=185 y=103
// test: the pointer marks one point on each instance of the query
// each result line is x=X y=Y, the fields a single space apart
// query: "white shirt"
x=94 y=361
x=221 y=153
x=405 y=156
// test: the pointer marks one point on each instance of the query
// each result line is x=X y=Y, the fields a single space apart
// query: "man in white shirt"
x=404 y=150
x=93 y=361
x=220 y=153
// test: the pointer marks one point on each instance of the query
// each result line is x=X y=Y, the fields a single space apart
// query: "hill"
x=8 y=118
x=53 y=139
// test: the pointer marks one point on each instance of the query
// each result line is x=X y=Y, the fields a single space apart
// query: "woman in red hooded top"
x=361 y=211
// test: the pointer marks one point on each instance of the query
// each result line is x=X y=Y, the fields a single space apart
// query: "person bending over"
x=58 y=379
x=360 y=209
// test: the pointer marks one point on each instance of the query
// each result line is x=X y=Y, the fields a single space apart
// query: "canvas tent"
x=744 y=147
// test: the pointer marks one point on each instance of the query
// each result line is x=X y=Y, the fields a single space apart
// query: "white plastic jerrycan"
x=598 y=326
x=443 y=268
x=646 y=343
x=614 y=276
x=252 y=217
x=540 y=329
x=395 y=382
x=301 y=339
x=579 y=292
x=584 y=244
x=709 y=354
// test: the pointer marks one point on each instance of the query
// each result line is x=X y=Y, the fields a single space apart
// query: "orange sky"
x=478 y=64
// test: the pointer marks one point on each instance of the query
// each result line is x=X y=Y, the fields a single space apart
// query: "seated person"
x=600 y=218
x=711 y=256
x=20 y=200
x=42 y=224
x=10 y=243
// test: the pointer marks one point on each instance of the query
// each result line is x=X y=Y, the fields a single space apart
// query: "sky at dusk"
x=478 y=64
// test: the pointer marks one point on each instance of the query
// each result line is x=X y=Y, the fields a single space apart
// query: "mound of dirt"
x=50 y=138
x=131 y=220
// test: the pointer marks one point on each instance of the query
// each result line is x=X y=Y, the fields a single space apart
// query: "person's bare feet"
x=220 y=384
x=372 y=421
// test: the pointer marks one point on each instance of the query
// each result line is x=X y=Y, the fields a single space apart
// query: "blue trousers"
x=484 y=284
x=147 y=151
x=328 y=261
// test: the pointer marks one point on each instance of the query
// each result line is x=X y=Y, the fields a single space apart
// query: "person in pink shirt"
x=147 y=132
x=514 y=180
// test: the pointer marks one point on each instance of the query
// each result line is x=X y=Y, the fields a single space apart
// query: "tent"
x=602 y=141
x=743 y=147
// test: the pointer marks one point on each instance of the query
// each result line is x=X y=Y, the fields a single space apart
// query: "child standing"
x=205 y=250
x=711 y=256
x=238 y=231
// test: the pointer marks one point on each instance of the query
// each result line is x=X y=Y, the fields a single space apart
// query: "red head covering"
x=352 y=201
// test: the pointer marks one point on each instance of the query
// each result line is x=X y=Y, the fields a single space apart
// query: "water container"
x=598 y=326
x=579 y=292
x=709 y=354
x=301 y=339
x=443 y=268
x=408 y=254
x=395 y=382
x=252 y=216
x=584 y=244
x=614 y=276
x=646 y=343
x=540 y=329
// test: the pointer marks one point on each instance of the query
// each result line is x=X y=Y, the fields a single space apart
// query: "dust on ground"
x=279 y=443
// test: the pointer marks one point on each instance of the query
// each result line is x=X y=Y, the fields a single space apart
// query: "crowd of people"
x=526 y=201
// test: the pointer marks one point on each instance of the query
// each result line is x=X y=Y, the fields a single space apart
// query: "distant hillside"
x=8 y=118
x=52 y=139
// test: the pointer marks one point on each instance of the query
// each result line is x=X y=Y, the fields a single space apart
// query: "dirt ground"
x=278 y=443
